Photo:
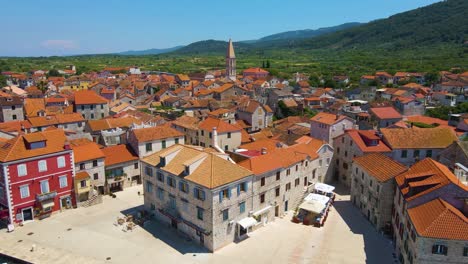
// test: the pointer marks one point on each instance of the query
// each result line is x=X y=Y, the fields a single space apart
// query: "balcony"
x=46 y=196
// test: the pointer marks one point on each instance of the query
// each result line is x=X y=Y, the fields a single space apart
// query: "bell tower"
x=230 y=62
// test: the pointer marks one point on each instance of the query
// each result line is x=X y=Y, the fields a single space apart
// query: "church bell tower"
x=230 y=62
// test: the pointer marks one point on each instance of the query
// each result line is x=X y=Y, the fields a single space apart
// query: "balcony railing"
x=46 y=196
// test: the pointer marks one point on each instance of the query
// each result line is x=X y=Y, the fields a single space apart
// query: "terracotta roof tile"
x=439 y=219
x=221 y=126
x=155 y=133
x=326 y=118
x=86 y=97
x=90 y=151
x=118 y=154
x=418 y=138
x=380 y=166
x=82 y=175
x=385 y=113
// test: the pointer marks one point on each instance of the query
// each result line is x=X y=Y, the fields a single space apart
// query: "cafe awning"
x=317 y=197
x=48 y=203
x=247 y=222
x=324 y=187
x=312 y=206
x=261 y=211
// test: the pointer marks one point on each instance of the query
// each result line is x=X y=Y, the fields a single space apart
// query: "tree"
x=268 y=64
x=431 y=78
x=263 y=64
x=54 y=73
x=3 y=80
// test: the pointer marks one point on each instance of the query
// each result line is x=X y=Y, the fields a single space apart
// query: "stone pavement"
x=87 y=235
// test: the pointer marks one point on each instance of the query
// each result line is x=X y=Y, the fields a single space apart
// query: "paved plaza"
x=88 y=235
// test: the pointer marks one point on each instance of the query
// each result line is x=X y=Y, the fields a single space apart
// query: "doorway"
x=277 y=210
x=285 y=206
x=65 y=203
x=27 y=214
x=174 y=224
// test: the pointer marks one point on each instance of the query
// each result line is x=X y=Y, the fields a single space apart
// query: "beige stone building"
x=429 y=217
x=89 y=158
x=373 y=188
x=146 y=141
x=122 y=167
x=200 y=193
x=229 y=135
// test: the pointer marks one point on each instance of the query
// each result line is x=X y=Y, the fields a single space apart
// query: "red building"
x=36 y=177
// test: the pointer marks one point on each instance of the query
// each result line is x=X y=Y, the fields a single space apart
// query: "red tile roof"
x=221 y=126
x=118 y=154
x=86 y=97
x=439 y=219
x=385 y=113
x=155 y=133
x=380 y=166
x=326 y=118
x=363 y=138
x=418 y=138
x=85 y=152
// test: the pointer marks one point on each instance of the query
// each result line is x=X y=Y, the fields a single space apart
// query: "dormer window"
x=187 y=170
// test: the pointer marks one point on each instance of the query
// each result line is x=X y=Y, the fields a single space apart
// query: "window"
x=429 y=153
x=199 y=194
x=185 y=204
x=262 y=181
x=13 y=108
x=149 y=147
x=24 y=191
x=135 y=166
x=297 y=167
x=92 y=116
x=305 y=181
x=183 y=187
x=296 y=182
x=229 y=135
x=439 y=250
x=328 y=161
x=102 y=106
x=416 y=153
x=288 y=172
x=171 y=182
x=160 y=176
x=176 y=140
x=63 y=181
x=14 y=117
x=242 y=207
x=102 y=115
x=226 y=147
x=95 y=176
x=465 y=251
x=242 y=187
x=42 y=165
x=44 y=186
x=149 y=187
x=262 y=198
x=22 y=171
x=404 y=153
x=83 y=183
x=278 y=175
x=378 y=188
x=225 y=214
x=160 y=194
x=95 y=163
x=82 y=107
x=200 y=213
x=277 y=191
x=172 y=201
x=370 y=183
x=288 y=186
x=149 y=171
x=163 y=144
x=320 y=163
x=61 y=162
x=82 y=166
x=92 y=107
x=225 y=193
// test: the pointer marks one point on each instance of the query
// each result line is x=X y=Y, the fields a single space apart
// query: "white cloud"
x=60 y=44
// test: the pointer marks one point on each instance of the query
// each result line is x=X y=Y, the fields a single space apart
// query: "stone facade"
x=11 y=109
x=93 y=111
x=146 y=148
x=96 y=170
x=227 y=140
x=122 y=175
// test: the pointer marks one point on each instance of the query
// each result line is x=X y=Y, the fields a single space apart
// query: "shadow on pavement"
x=167 y=234
x=373 y=247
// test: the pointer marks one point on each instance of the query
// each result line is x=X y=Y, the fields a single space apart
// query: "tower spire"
x=230 y=62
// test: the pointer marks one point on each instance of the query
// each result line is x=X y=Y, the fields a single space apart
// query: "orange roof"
x=85 y=152
x=255 y=70
x=69 y=118
x=221 y=126
x=439 y=219
x=155 y=133
x=273 y=160
x=427 y=120
x=424 y=177
x=363 y=138
x=82 y=175
x=85 y=97
x=15 y=126
x=118 y=154
x=109 y=123
x=380 y=166
x=15 y=148
x=418 y=138
x=326 y=118
x=385 y=113
x=269 y=144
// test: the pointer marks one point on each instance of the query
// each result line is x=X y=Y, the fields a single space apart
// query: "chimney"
x=264 y=151
x=337 y=116
x=214 y=138
x=66 y=145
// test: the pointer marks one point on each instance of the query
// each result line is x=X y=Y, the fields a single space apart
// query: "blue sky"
x=52 y=27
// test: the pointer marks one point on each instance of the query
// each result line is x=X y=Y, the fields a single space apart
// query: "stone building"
x=327 y=126
x=231 y=62
x=199 y=193
x=354 y=143
x=91 y=105
x=373 y=188
x=429 y=217
x=229 y=136
x=146 y=141
x=90 y=158
x=122 y=168
x=257 y=115
x=385 y=116
x=11 y=108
